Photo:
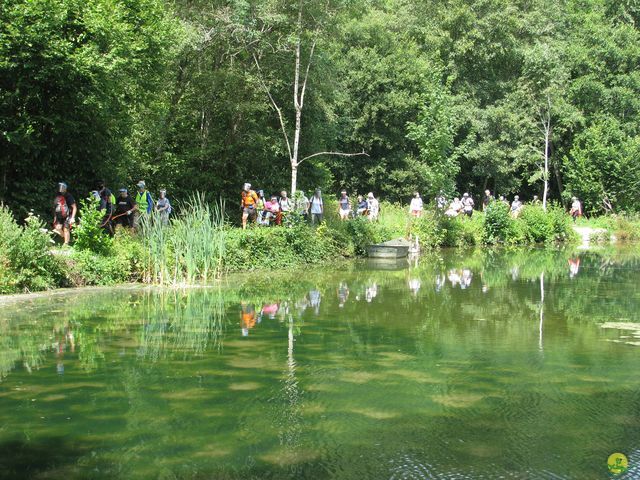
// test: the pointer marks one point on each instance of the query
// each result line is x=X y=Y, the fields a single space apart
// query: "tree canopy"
x=440 y=95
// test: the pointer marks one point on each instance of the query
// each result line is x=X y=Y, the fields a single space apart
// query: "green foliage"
x=498 y=224
x=88 y=268
x=602 y=167
x=89 y=234
x=26 y=261
x=277 y=247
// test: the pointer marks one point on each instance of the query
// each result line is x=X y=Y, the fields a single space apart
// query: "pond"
x=461 y=365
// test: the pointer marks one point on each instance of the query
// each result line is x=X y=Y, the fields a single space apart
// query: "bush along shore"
x=198 y=245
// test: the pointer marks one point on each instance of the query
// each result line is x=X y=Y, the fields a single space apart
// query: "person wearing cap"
x=125 y=206
x=316 y=207
x=467 y=204
x=248 y=204
x=163 y=207
x=576 y=209
x=106 y=204
x=64 y=212
x=144 y=203
x=374 y=207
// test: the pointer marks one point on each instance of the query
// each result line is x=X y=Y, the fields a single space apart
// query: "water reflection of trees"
x=499 y=286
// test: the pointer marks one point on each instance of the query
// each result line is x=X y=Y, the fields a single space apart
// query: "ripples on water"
x=474 y=365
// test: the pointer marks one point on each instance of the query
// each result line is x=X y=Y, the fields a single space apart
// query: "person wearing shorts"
x=344 y=205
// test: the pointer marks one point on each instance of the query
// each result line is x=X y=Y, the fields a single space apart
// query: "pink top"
x=272 y=207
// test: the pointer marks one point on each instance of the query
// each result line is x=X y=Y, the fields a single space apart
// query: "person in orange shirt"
x=248 y=318
x=248 y=204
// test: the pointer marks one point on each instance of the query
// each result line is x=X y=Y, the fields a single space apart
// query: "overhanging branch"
x=339 y=154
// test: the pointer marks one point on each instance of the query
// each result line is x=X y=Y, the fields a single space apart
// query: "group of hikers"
x=126 y=210
x=256 y=208
x=123 y=210
x=276 y=209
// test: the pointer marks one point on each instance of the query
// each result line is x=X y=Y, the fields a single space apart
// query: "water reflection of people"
x=574 y=266
x=270 y=310
x=414 y=286
x=454 y=277
x=343 y=294
x=314 y=300
x=441 y=279
x=248 y=318
x=65 y=338
x=465 y=280
x=371 y=292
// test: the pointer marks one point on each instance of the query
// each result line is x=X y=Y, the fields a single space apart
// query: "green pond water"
x=475 y=365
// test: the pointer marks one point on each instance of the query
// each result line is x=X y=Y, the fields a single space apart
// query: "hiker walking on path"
x=125 y=207
x=64 y=212
x=467 y=203
x=106 y=205
x=144 y=203
x=344 y=205
x=248 y=204
x=516 y=207
x=316 y=208
x=486 y=199
x=374 y=207
x=164 y=207
x=576 y=209
x=416 y=206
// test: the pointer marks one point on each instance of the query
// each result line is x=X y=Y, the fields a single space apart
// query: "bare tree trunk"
x=297 y=102
x=546 y=125
x=546 y=170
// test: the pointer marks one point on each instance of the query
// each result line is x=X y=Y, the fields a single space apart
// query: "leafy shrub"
x=561 y=223
x=429 y=229
x=276 y=247
x=498 y=224
x=26 y=262
x=89 y=234
x=538 y=225
x=88 y=268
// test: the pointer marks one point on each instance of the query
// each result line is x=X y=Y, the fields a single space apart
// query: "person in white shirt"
x=374 y=207
x=416 y=205
x=316 y=207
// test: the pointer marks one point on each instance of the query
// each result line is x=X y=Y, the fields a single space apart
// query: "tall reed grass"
x=189 y=248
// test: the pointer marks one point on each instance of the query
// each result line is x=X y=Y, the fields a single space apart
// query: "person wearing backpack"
x=144 y=203
x=64 y=212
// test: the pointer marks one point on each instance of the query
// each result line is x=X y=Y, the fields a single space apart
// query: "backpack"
x=60 y=206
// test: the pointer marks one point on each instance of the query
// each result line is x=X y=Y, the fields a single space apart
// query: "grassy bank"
x=198 y=245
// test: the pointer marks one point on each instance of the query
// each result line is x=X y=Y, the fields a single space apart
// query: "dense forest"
x=451 y=95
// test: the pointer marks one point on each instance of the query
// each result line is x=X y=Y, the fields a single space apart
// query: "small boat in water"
x=398 y=248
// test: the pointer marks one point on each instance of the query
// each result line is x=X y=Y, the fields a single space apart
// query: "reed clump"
x=189 y=248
